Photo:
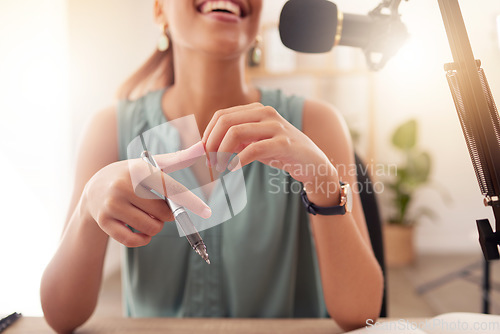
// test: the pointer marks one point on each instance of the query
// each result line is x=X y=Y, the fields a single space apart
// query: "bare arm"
x=352 y=279
x=71 y=282
x=104 y=203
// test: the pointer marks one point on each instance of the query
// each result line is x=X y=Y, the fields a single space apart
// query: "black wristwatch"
x=345 y=203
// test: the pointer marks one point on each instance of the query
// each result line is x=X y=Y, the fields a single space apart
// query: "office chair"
x=373 y=221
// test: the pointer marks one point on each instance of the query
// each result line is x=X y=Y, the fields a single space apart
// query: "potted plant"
x=411 y=175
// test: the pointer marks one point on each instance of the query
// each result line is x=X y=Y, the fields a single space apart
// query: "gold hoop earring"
x=256 y=53
x=163 y=41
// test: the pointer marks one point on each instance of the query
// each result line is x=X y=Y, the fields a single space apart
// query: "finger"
x=224 y=123
x=261 y=150
x=221 y=112
x=246 y=109
x=121 y=233
x=140 y=220
x=180 y=159
x=239 y=136
x=155 y=207
x=168 y=187
x=141 y=170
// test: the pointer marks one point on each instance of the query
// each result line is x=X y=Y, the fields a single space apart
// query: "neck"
x=204 y=84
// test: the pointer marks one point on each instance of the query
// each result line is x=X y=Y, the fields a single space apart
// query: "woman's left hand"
x=257 y=132
x=345 y=257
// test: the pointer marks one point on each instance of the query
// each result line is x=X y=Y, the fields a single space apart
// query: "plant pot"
x=399 y=245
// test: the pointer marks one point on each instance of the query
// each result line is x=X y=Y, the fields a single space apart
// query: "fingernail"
x=206 y=213
x=219 y=167
x=198 y=149
x=233 y=164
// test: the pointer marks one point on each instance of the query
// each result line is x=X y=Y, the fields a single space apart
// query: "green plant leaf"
x=419 y=168
x=402 y=201
x=405 y=136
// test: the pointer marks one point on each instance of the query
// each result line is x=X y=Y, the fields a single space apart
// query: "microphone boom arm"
x=479 y=120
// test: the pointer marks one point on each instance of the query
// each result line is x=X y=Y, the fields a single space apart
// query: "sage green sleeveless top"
x=263 y=261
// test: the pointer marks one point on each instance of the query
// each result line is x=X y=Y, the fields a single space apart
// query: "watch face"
x=348 y=204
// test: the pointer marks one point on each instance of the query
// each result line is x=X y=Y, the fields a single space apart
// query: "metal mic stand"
x=481 y=127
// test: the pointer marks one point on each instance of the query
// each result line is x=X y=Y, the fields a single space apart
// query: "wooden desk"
x=27 y=325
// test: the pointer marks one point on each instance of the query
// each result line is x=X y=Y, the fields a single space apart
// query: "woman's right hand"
x=119 y=195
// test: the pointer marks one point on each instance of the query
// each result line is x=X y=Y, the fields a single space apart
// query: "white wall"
x=108 y=40
x=34 y=124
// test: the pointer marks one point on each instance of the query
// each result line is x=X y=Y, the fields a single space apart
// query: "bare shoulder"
x=327 y=128
x=107 y=114
x=99 y=139
x=105 y=118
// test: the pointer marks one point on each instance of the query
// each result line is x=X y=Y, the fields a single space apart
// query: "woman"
x=266 y=263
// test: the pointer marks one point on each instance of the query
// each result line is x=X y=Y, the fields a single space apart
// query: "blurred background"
x=62 y=60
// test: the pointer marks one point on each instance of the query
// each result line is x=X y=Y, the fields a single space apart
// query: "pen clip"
x=146 y=155
x=149 y=159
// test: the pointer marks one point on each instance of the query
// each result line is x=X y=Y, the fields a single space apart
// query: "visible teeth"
x=231 y=7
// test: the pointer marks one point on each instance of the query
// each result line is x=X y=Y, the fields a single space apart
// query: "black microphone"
x=316 y=26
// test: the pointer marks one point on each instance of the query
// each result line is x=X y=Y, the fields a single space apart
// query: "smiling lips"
x=224 y=6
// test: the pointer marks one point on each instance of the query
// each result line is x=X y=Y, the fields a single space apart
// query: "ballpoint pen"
x=180 y=214
x=9 y=320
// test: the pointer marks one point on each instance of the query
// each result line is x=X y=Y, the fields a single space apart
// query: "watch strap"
x=321 y=210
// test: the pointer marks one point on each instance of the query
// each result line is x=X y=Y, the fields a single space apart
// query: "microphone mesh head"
x=308 y=25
